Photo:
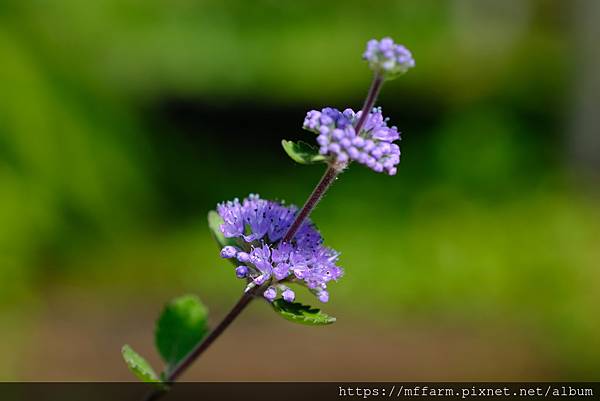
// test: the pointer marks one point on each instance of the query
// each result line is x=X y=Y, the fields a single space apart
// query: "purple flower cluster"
x=387 y=57
x=373 y=146
x=264 y=260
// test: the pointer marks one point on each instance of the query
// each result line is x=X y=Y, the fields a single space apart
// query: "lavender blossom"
x=270 y=294
x=288 y=295
x=256 y=219
x=228 y=252
x=323 y=296
x=388 y=58
x=260 y=225
x=373 y=146
x=241 y=271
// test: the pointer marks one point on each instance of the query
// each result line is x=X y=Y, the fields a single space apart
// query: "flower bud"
x=270 y=294
x=288 y=295
x=388 y=58
x=228 y=252
x=241 y=271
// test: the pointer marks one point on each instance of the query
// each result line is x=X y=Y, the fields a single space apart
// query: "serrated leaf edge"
x=308 y=320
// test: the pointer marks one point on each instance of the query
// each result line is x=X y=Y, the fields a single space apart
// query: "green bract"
x=302 y=152
x=303 y=314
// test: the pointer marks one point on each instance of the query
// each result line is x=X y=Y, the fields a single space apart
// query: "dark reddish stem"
x=330 y=175
x=369 y=101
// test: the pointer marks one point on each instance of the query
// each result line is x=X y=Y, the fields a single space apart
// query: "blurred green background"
x=123 y=122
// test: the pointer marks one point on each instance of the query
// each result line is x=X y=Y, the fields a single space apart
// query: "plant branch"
x=328 y=178
x=369 y=101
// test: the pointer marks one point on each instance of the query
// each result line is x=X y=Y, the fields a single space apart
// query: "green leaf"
x=182 y=324
x=139 y=366
x=302 y=152
x=303 y=314
x=214 y=224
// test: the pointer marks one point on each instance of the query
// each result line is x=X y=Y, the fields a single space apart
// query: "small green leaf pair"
x=180 y=327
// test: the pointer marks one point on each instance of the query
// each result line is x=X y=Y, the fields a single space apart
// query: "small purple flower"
x=313 y=266
x=373 y=146
x=242 y=257
x=388 y=58
x=270 y=294
x=241 y=271
x=256 y=219
x=228 y=252
x=288 y=295
x=261 y=279
x=304 y=260
x=281 y=271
